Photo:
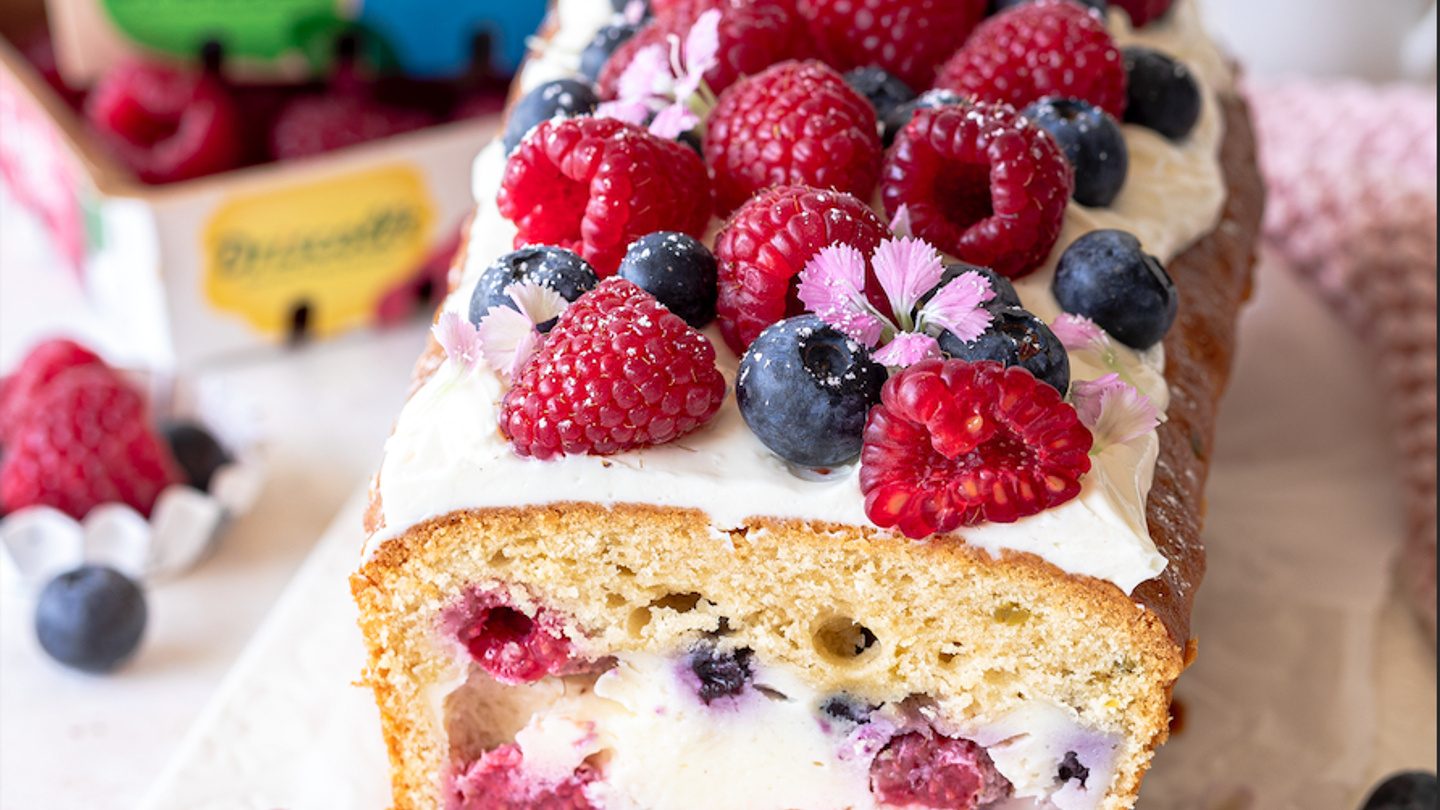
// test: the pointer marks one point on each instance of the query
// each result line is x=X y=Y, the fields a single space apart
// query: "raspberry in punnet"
x=45 y=362
x=766 y=244
x=618 y=371
x=981 y=183
x=594 y=185
x=754 y=34
x=794 y=123
x=956 y=444
x=910 y=39
x=165 y=122
x=1040 y=49
x=88 y=442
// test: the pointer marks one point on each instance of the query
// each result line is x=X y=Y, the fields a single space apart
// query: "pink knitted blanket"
x=1352 y=210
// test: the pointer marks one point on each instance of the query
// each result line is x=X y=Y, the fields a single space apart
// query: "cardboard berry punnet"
x=189 y=272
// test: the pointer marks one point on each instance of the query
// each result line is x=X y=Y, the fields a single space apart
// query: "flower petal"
x=538 y=302
x=631 y=111
x=832 y=285
x=900 y=223
x=907 y=268
x=702 y=52
x=635 y=12
x=674 y=120
x=957 y=307
x=907 y=348
x=648 y=74
x=1077 y=332
x=508 y=338
x=1115 y=411
x=459 y=338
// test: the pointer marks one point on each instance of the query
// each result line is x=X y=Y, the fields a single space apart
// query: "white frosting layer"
x=772 y=747
x=447 y=454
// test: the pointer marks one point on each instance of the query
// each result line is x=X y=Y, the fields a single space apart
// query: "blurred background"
x=299 y=378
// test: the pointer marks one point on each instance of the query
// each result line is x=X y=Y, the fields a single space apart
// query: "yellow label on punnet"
x=328 y=250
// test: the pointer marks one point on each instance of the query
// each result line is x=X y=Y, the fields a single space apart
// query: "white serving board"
x=1306 y=688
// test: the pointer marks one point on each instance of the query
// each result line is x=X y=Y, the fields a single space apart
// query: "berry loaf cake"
x=820 y=414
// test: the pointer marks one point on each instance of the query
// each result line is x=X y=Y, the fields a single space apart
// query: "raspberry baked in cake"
x=820 y=413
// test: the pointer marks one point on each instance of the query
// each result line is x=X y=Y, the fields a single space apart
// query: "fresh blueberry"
x=883 y=91
x=847 y=708
x=678 y=270
x=597 y=53
x=1106 y=276
x=1016 y=338
x=805 y=389
x=1160 y=93
x=1092 y=142
x=553 y=267
x=90 y=618
x=1001 y=5
x=1005 y=295
x=691 y=138
x=1071 y=768
x=1407 y=790
x=197 y=452
x=565 y=98
x=623 y=6
x=722 y=673
x=892 y=123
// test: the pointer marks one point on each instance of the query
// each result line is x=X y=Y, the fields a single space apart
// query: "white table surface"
x=74 y=741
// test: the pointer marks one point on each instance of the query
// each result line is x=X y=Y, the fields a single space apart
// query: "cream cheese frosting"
x=447 y=454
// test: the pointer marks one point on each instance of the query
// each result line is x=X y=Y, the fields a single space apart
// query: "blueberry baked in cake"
x=820 y=413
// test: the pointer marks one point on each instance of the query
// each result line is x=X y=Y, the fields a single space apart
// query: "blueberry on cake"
x=787 y=444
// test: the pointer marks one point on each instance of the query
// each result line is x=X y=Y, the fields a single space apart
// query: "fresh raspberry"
x=498 y=781
x=754 y=34
x=1039 y=49
x=513 y=647
x=618 y=371
x=796 y=122
x=594 y=185
x=982 y=183
x=910 y=39
x=44 y=363
x=766 y=244
x=926 y=770
x=956 y=444
x=88 y=442
x=167 y=123
x=315 y=124
x=1143 y=12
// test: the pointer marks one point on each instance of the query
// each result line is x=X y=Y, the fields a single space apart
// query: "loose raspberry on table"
x=45 y=362
x=511 y=646
x=88 y=442
x=766 y=244
x=499 y=781
x=313 y=125
x=754 y=34
x=167 y=123
x=1039 y=49
x=793 y=123
x=957 y=444
x=618 y=371
x=1143 y=12
x=594 y=185
x=908 y=38
x=927 y=770
x=981 y=183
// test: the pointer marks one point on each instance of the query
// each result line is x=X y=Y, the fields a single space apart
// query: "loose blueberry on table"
x=91 y=618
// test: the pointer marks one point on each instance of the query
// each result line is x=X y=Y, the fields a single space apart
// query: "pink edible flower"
x=506 y=338
x=832 y=285
x=670 y=84
x=1114 y=410
x=1077 y=332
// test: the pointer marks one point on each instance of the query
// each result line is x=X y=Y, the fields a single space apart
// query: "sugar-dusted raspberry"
x=315 y=124
x=981 y=183
x=922 y=769
x=793 y=123
x=512 y=646
x=499 y=781
x=88 y=442
x=45 y=362
x=908 y=38
x=1143 y=12
x=754 y=34
x=618 y=371
x=594 y=185
x=167 y=123
x=766 y=244
x=956 y=444
x=1039 y=49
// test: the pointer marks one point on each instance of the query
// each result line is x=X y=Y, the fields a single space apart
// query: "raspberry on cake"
x=937 y=551
x=907 y=38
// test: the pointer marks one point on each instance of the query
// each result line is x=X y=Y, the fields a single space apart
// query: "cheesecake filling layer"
x=665 y=731
x=447 y=454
